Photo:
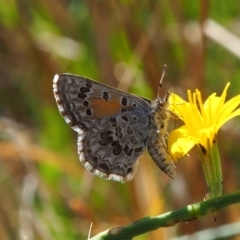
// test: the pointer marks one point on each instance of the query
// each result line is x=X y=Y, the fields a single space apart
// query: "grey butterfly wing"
x=111 y=148
x=112 y=125
x=81 y=101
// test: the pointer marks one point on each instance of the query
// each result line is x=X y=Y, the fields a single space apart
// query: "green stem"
x=211 y=164
x=186 y=214
x=217 y=169
x=205 y=165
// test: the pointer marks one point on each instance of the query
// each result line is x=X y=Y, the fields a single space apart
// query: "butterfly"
x=114 y=127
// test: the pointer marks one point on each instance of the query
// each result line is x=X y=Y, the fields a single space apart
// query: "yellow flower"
x=202 y=120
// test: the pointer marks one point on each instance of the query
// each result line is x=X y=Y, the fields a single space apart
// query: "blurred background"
x=45 y=192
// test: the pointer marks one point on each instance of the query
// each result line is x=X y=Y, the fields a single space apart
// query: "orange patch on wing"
x=102 y=108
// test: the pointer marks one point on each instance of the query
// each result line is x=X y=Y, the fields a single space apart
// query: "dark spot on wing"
x=127 y=150
x=113 y=144
x=117 y=149
x=88 y=85
x=124 y=101
x=119 y=132
x=105 y=96
x=95 y=159
x=133 y=140
x=125 y=118
x=84 y=89
x=106 y=141
x=89 y=150
x=86 y=103
x=89 y=112
x=129 y=130
x=81 y=95
x=105 y=134
x=113 y=120
x=104 y=167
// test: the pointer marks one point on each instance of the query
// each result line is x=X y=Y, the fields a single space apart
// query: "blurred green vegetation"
x=45 y=192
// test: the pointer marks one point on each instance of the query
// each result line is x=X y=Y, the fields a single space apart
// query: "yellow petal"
x=179 y=142
x=177 y=104
x=213 y=105
x=232 y=115
x=202 y=120
x=227 y=111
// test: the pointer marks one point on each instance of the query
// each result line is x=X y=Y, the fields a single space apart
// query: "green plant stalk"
x=211 y=164
x=186 y=214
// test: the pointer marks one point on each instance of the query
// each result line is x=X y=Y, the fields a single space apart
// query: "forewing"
x=82 y=101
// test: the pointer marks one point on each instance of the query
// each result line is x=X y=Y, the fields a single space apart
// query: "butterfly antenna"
x=162 y=77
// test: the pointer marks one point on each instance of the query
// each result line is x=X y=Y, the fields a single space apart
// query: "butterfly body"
x=114 y=127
